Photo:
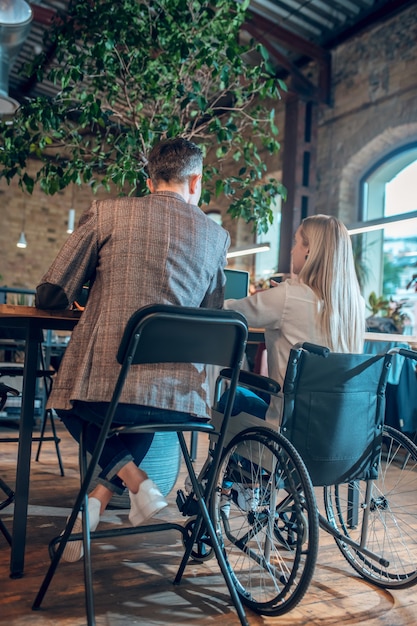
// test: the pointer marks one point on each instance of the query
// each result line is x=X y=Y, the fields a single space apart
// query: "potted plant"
x=387 y=316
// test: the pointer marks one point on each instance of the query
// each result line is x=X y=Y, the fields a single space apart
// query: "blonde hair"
x=329 y=271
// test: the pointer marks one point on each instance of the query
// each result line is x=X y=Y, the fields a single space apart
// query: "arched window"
x=386 y=237
x=266 y=263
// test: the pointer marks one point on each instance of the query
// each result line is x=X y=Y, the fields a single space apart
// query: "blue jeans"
x=122 y=448
x=246 y=401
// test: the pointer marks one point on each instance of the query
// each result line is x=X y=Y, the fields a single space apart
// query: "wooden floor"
x=133 y=576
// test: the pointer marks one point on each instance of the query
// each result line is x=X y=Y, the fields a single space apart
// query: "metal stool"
x=11 y=371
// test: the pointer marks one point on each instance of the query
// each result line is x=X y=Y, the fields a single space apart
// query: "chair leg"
x=56 y=557
x=9 y=493
x=204 y=515
x=48 y=414
x=57 y=441
x=88 y=571
x=10 y=497
x=47 y=382
x=81 y=504
x=41 y=434
x=6 y=533
x=193 y=445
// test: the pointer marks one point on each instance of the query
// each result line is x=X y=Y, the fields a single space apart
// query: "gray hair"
x=174 y=160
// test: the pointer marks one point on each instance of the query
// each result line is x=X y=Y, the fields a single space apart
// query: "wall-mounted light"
x=251 y=249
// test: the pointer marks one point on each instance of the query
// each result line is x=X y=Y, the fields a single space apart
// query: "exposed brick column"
x=299 y=171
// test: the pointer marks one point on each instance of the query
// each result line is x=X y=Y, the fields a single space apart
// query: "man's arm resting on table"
x=49 y=296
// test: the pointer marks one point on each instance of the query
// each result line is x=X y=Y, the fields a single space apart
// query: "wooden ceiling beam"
x=42 y=15
x=373 y=17
x=291 y=40
x=301 y=82
x=263 y=30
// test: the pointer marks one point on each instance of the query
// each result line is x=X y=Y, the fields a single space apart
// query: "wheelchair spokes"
x=380 y=516
x=270 y=533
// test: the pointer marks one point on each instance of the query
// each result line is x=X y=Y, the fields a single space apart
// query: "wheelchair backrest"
x=334 y=409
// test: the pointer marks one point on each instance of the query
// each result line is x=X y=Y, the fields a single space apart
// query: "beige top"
x=289 y=315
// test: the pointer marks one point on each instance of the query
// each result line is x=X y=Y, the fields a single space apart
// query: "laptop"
x=237 y=284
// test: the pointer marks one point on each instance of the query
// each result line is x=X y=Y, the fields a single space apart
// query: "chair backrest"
x=334 y=407
x=164 y=333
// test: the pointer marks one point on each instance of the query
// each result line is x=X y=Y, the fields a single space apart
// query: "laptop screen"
x=237 y=284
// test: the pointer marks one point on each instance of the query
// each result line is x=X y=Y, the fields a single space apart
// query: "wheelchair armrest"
x=410 y=354
x=254 y=381
x=313 y=348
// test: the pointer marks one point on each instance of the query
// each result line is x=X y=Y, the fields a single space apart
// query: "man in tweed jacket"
x=134 y=251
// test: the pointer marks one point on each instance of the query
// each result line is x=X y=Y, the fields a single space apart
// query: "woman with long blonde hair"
x=321 y=302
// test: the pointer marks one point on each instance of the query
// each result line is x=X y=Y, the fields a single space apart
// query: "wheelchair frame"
x=271 y=548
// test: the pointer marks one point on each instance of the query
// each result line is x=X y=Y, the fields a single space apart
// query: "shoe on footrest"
x=74 y=550
x=247 y=497
x=146 y=503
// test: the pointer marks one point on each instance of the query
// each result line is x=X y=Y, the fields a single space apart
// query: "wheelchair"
x=263 y=504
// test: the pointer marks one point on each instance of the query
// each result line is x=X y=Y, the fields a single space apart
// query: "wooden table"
x=32 y=320
x=397 y=338
x=256 y=335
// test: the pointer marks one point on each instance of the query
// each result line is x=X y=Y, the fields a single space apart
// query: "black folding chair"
x=163 y=334
x=5 y=391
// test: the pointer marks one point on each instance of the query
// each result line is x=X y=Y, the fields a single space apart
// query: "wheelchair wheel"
x=382 y=514
x=266 y=516
x=202 y=550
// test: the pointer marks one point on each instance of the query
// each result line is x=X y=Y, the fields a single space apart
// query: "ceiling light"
x=22 y=243
x=15 y=22
x=8 y=106
x=71 y=221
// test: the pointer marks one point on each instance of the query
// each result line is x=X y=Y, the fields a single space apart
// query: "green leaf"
x=264 y=52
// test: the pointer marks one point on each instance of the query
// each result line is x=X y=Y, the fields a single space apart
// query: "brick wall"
x=44 y=219
x=373 y=112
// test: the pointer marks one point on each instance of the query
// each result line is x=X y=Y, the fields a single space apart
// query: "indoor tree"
x=129 y=73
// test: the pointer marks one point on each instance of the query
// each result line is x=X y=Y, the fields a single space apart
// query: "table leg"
x=24 y=453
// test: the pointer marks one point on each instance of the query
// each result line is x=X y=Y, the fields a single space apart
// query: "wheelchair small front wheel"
x=202 y=549
x=265 y=513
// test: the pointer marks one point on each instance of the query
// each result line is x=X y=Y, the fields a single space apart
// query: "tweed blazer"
x=134 y=252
